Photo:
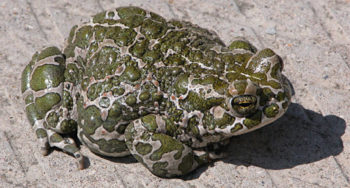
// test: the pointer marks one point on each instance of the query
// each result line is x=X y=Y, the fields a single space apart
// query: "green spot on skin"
x=225 y=121
x=281 y=96
x=168 y=144
x=47 y=52
x=116 y=110
x=157 y=96
x=271 y=110
x=151 y=56
x=52 y=119
x=186 y=164
x=139 y=48
x=159 y=169
x=149 y=122
x=93 y=92
x=266 y=53
x=25 y=79
x=111 y=146
x=152 y=29
x=129 y=135
x=130 y=100
x=32 y=114
x=176 y=60
x=110 y=124
x=45 y=103
x=71 y=35
x=125 y=37
x=266 y=95
x=237 y=127
x=47 y=76
x=241 y=44
x=131 y=73
x=70 y=148
x=41 y=133
x=276 y=69
x=181 y=84
x=241 y=86
x=144 y=96
x=192 y=126
x=253 y=120
x=83 y=36
x=68 y=126
x=143 y=149
x=29 y=99
x=92 y=119
x=126 y=12
x=118 y=91
x=55 y=138
x=220 y=86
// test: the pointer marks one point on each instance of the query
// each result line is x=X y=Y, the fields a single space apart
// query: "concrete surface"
x=308 y=147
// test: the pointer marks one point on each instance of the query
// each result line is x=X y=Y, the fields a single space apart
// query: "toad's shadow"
x=301 y=136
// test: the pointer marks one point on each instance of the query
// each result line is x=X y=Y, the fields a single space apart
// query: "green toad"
x=168 y=92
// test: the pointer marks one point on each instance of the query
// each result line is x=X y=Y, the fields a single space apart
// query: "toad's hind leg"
x=151 y=144
x=48 y=104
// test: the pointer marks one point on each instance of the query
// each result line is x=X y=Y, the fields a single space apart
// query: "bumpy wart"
x=168 y=92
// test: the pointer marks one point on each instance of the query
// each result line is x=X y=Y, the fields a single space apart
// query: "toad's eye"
x=244 y=104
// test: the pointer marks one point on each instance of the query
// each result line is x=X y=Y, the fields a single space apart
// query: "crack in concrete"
x=341 y=170
x=271 y=178
x=36 y=19
x=316 y=184
x=17 y=158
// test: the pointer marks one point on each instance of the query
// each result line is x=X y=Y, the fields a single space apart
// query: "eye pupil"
x=245 y=104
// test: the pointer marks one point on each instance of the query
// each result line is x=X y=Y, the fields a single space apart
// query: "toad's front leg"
x=151 y=141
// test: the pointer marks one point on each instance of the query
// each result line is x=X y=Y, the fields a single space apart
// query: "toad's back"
x=144 y=61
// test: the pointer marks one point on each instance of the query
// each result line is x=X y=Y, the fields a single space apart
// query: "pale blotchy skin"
x=168 y=92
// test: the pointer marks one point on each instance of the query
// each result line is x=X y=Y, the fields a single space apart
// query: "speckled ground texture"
x=308 y=147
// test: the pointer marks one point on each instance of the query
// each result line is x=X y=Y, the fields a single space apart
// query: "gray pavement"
x=308 y=147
